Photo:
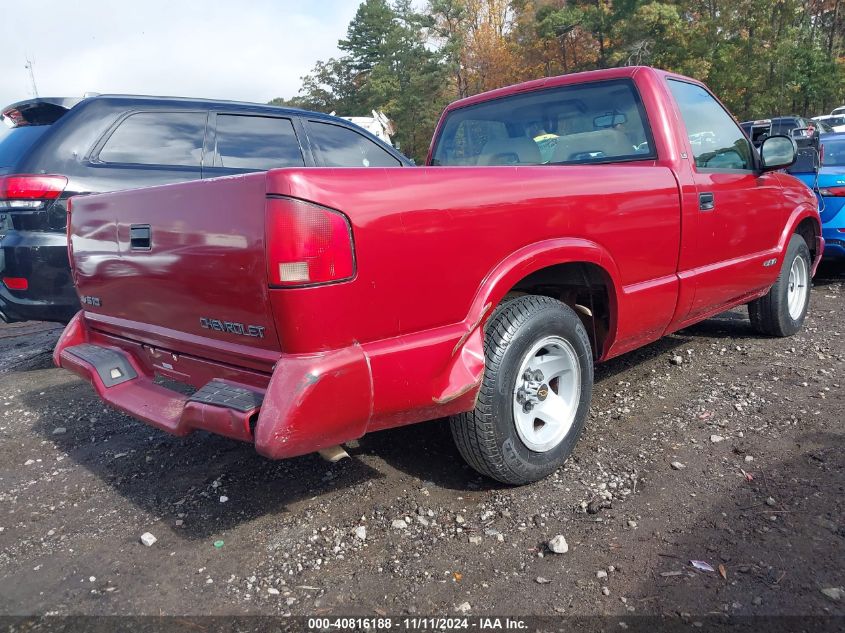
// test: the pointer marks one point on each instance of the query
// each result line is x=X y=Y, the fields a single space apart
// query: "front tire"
x=535 y=393
x=782 y=310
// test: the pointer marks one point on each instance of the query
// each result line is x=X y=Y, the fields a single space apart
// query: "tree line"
x=761 y=57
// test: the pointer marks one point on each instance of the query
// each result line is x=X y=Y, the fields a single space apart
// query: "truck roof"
x=561 y=80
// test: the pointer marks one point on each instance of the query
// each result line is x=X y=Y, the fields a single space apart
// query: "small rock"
x=59 y=430
x=464 y=607
x=542 y=581
x=558 y=545
x=399 y=524
x=605 y=591
x=748 y=459
x=677 y=465
x=632 y=523
x=771 y=502
x=29 y=462
x=716 y=438
x=423 y=521
x=601 y=574
x=273 y=591
x=677 y=360
x=148 y=539
x=224 y=499
x=460 y=520
x=757 y=601
x=475 y=540
x=361 y=532
x=834 y=593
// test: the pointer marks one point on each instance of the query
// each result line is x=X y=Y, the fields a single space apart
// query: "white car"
x=838 y=111
x=834 y=121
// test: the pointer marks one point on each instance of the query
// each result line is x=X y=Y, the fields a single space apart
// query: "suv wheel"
x=535 y=394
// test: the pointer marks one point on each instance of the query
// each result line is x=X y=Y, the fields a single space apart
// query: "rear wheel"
x=782 y=310
x=535 y=394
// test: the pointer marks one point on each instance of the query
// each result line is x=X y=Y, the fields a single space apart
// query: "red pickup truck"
x=557 y=223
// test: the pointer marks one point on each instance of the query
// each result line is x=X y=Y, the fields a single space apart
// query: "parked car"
x=838 y=111
x=829 y=185
x=558 y=223
x=831 y=123
x=805 y=132
x=801 y=129
x=52 y=149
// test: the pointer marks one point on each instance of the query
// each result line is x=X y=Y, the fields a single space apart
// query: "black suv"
x=52 y=149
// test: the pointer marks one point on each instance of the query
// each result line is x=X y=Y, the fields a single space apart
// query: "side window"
x=256 y=142
x=717 y=141
x=157 y=138
x=341 y=147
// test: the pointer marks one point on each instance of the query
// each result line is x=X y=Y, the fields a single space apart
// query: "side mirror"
x=802 y=132
x=778 y=152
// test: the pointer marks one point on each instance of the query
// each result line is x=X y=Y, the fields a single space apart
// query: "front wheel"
x=535 y=393
x=782 y=310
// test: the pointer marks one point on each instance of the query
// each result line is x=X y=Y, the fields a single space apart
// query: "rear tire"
x=535 y=393
x=782 y=310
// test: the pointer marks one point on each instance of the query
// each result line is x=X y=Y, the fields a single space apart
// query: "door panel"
x=739 y=211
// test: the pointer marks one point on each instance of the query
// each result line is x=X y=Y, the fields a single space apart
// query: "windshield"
x=15 y=141
x=834 y=153
x=580 y=124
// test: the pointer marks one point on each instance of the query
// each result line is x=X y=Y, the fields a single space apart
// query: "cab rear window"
x=595 y=122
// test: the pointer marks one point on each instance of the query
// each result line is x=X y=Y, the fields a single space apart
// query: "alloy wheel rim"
x=547 y=393
x=798 y=288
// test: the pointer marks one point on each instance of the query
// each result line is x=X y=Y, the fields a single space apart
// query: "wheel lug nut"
x=528 y=376
x=538 y=376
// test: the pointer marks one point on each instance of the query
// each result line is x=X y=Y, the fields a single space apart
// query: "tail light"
x=27 y=193
x=16 y=283
x=67 y=232
x=832 y=192
x=307 y=244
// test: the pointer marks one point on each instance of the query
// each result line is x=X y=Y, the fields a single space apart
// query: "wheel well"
x=809 y=230
x=582 y=286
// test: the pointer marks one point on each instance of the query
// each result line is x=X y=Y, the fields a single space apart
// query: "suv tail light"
x=832 y=192
x=307 y=244
x=32 y=192
x=16 y=283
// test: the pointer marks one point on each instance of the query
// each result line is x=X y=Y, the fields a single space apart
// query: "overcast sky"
x=251 y=50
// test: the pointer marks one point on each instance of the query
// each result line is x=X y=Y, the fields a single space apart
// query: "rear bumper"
x=41 y=259
x=309 y=401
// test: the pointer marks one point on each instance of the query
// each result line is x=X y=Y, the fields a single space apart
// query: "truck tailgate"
x=185 y=259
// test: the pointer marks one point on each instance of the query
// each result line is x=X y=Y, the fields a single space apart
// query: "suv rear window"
x=157 y=138
x=17 y=140
x=583 y=123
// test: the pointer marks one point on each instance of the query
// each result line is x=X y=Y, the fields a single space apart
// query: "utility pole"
x=31 y=77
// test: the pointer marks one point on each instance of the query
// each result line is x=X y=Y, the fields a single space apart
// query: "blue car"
x=830 y=189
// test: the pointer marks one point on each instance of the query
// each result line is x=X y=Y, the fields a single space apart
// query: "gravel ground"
x=711 y=445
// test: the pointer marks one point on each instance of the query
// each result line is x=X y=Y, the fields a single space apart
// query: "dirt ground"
x=733 y=457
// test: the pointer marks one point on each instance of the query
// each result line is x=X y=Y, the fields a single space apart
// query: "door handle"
x=140 y=237
x=706 y=201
